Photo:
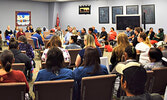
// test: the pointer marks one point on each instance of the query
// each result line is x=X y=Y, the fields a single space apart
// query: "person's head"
x=137 y=30
x=93 y=27
x=55 y=26
x=58 y=28
x=83 y=30
x=151 y=29
x=38 y=30
x=28 y=28
x=106 y=43
x=131 y=28
x=73 y=39
x=103 y=29
x=133 y=78
x=70 y=29
x=8 y=27
x=55 y=60
x=112 y=29
x=155 y=54
x=44 y=28
x=23 y=39
x=52 y=31
x=6 y=60
x=127 y=29
x=20 y=29
x=16 y=28
x=55 y=41
x=142 y=37
x=160 y=30
x=89 y=41
x=92 y=58
x=122 y=39
x=130 y=53
x=141 y=29
x=90 y=30
x=13 y=44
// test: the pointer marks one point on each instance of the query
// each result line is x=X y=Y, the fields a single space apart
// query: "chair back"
x=18 y=66
x=31 y=42
x=160 y=80
x=54 y=90
x=149 y=82
x=98 y=87
x=73 y=54
x=12 y=91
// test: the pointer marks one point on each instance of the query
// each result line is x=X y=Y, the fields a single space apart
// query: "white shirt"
x=144 y=49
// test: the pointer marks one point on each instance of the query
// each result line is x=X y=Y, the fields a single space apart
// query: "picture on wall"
x=132 y=9
x=84 y=9
x=116 y=10
x=23 y=18
x=149 y=11
x=103 y=15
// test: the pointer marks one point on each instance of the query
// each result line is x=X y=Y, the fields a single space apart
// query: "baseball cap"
x=120 y=67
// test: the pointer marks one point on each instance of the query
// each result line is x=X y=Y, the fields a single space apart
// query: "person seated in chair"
x=73 y=43
x=133 y=80
x=150 y=33
x=20 y=57
x=112 y=36
x=52 y=32
x=103 y=36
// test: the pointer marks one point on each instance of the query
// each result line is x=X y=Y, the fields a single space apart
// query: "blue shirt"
x=49 y=36
x=45 y=75
x=80 y=72
x=73 y=46
x=95 y=31
x=67 y=37
x=36 y=35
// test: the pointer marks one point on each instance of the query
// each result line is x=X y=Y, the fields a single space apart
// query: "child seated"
x=107 y=47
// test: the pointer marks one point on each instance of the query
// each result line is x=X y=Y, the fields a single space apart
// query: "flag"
x=57 y=20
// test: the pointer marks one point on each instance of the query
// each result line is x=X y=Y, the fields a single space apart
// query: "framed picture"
x=23 y=18
x=116 y=10
x=148 y=14
x=132 y=9
x=103 y=15
x=84 y=9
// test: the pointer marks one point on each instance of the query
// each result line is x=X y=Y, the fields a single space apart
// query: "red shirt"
x=112 y=35
x=20 y=34
x=108 y=48
x=14 y=76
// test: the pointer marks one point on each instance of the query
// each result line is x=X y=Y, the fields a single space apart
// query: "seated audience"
x=59 y=32
x=107 y=47
x=38 y=42
x=55 y=28
x=20 y=33
x=92 y=67
x=133 y=80
x=142 y=48
x=52 y=32
x=73 y=43
x=89 y=42
x=112 y=36
x=67 y=36
x=28 y=29
x=20 y=57
x=163 y=47
x=158 y=37
x=7 y=75
x=103 y=35
x=137 y=32
x=25 y=46
x=131 y=33
x=54 y=67
x=94 y=30
x=8 y=34
x=155 y=56
x=90 y=31
x=16 y=31
x=150 y=33
x=56 y=42
x=127 y=31
x=118 y=51
x=82 y=34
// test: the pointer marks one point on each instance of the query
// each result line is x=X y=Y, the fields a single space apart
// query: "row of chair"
x=18 y=66
x=92 y=88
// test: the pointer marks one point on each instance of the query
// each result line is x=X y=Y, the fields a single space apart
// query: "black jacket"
x=22 y=58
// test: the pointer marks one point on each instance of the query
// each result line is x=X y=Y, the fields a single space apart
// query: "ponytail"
x=147 y=41
x=8 y=66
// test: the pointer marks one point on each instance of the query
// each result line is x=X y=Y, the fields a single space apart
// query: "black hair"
x=13 y=44
x=23 y=39
x=161 y=30
x=6 y=59
x=44 y=28
x=104 y=27
x=84 y=30
x=55 y=25
x=131 y=52
x=130 y=27
x=137 y=29
x=91 y=29
x=92 y=58
x=74 y=38
x=55 y=60
x=135 y=82
x=151 y=28
x=155 y=53
x=113 y=28
x=106 y=42
x=143 y=36
x=141 y=29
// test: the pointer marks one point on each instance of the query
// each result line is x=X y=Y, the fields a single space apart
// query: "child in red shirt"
x=107 y=47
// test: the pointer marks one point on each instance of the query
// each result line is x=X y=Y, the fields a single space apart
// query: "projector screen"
x=123 y=21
